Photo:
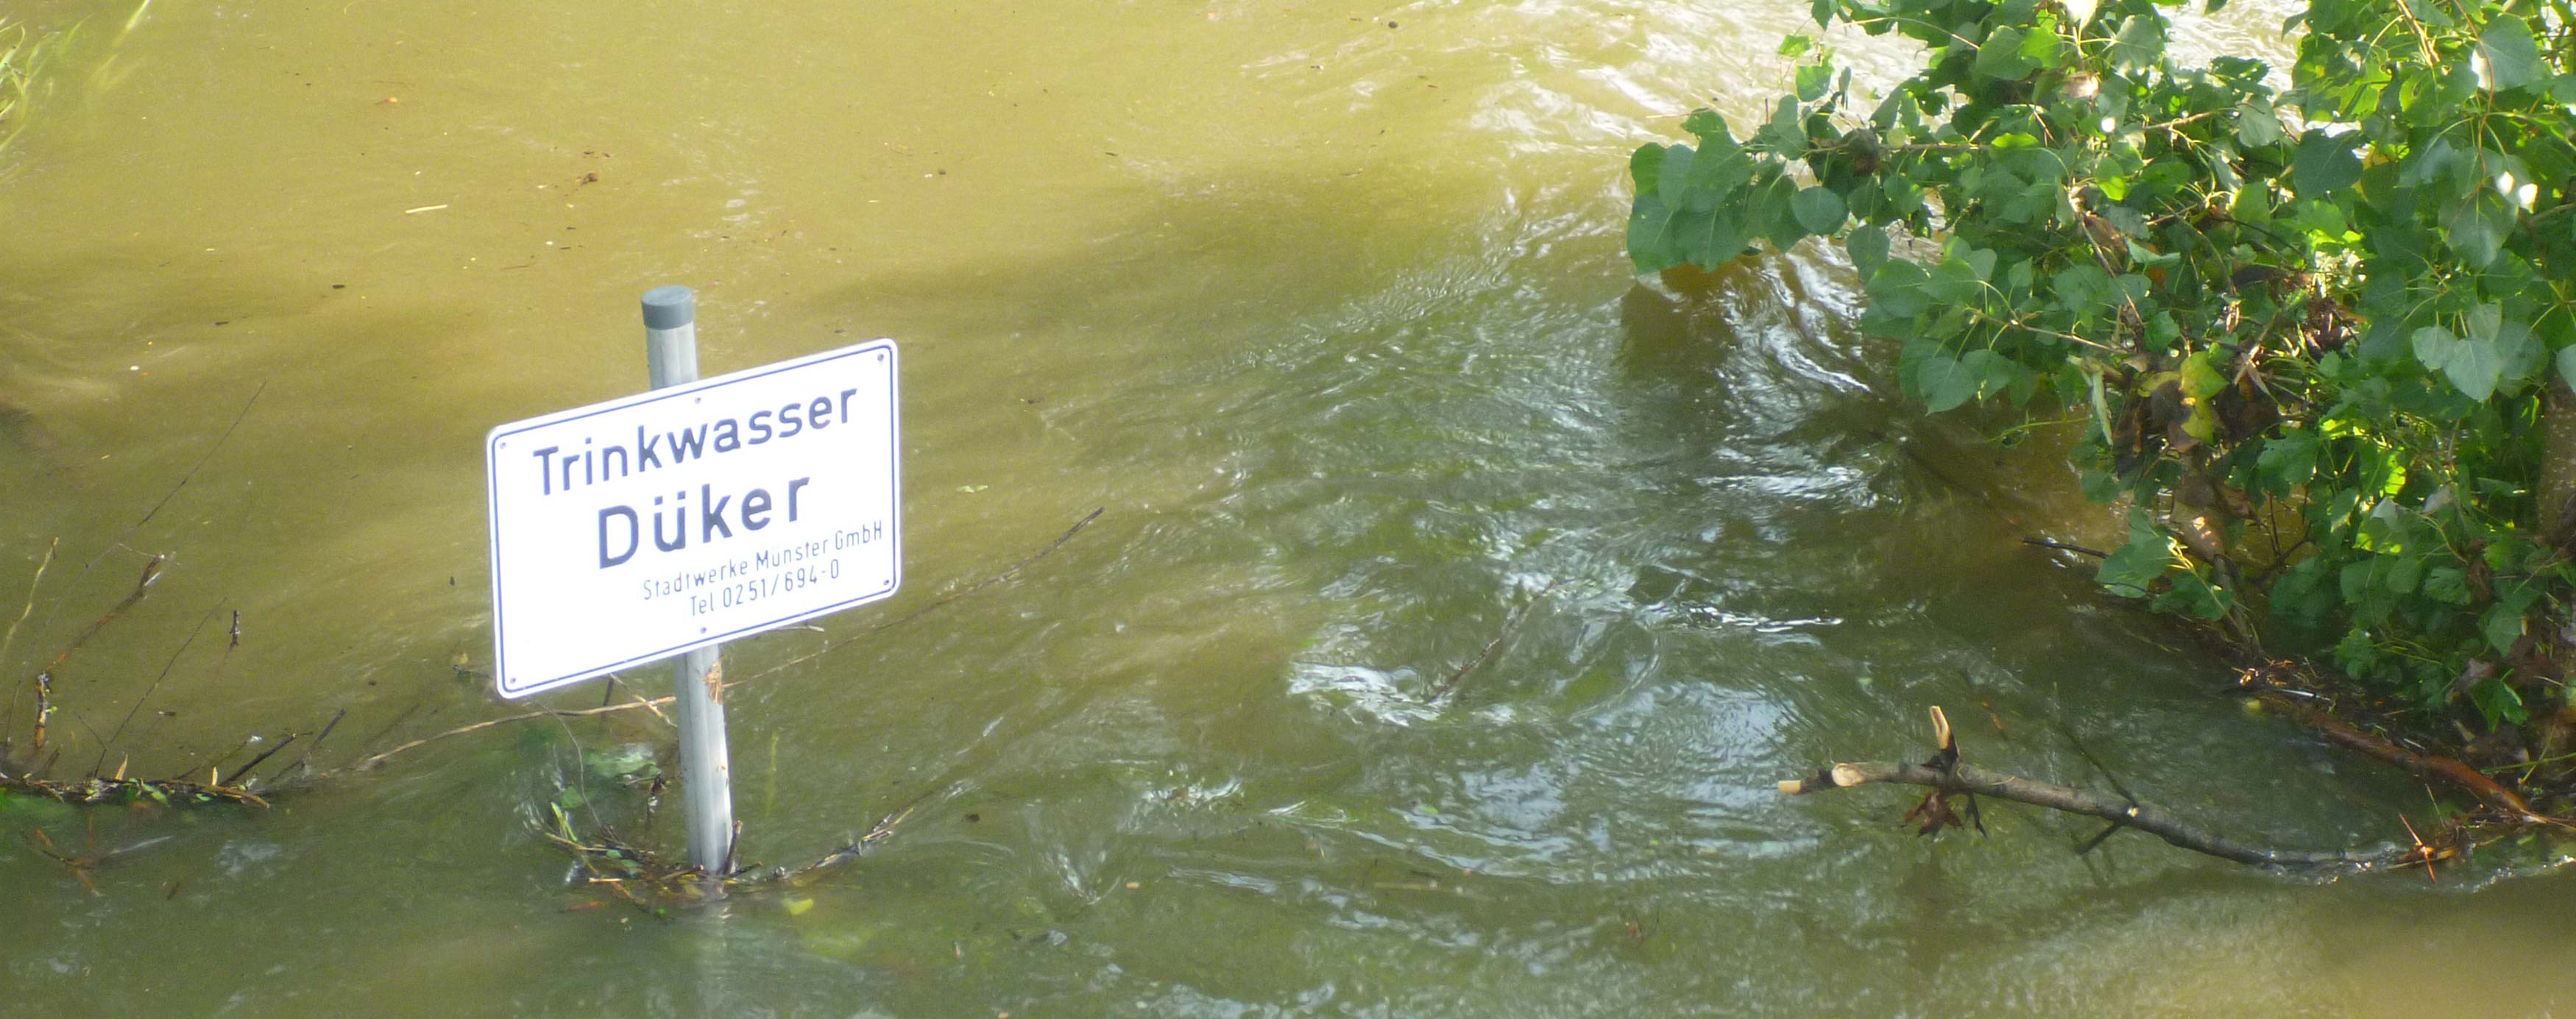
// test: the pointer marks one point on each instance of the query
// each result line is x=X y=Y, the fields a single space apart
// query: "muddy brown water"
x=1325 y=305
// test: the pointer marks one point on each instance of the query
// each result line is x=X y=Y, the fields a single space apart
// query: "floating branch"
x=641 y=877
x=2265 y=685
x=1448 y=685
x=2061 y=546
x=1945 y=775
x=120 y=789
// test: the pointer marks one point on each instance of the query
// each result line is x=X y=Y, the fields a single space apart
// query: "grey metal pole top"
x=670 y=307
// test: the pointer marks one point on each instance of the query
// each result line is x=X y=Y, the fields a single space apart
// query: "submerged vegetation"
x=2318 y=339
x=23 y=56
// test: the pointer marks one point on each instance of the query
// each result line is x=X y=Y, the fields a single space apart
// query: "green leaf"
x=2302 y=596
x=2449 y=584
x=2498 y=703
x=2566 y=361
x=1813 y=79
x=1706 y=124
x=2019 y=279
x=2200 y=379
x=2196 y=596
x=2137 y=47
x=624 y=760
x=2129 y=570
x=1953 y=282
x=1719 y=239
x=2485 y=321
x=1996 y=374
x=1946 y=382
x=1795 y=46
x=1868 y=246
x=1672 y=175
x=2402 y=574
x=2257 y=125
x=1715 y=171
x=1982 y=262
x=2163 y=332
x=2253 y=205
x=2001 y=56
x=2083 y=289
x=2323 y=165
x=1819 y=210
x=2502 y=626
x=2144 y=257
x=1646 y=168
x=1897 y=289
x=1782 y=135
x=2506 y=57
x=2356 y=653
x=1649 y=227
x=2288 y=461
x=1771 y=207
x=2039 y=49
x=2478 y=227
x=2473 y=365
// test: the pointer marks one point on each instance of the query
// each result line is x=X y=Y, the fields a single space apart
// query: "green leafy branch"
x=2317 y=335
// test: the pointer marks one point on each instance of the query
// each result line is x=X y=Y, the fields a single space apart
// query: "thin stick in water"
x=119 y=731
x=119 y=542
x=30 y=609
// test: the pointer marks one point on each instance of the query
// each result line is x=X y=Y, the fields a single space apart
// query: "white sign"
x=635 y=529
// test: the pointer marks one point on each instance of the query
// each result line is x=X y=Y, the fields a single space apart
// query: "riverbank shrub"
x=2319 y=336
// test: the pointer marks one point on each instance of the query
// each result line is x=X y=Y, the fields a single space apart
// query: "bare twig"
x=1946 y=774
x=44 y=708
x=2065 y=547
x=1966 y=778
x=1449 y=685
x=241 y=775
x=2430 y=767
x=143 y=584
x=302 y=764
x=119 y=541
x=156 y=684
x=32 y=585
x=201 y=461
x=366 y=763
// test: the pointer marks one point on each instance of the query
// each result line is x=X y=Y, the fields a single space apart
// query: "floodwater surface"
x=1456 y=603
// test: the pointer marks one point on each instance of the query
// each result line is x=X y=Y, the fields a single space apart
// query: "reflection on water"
x=1457 y=602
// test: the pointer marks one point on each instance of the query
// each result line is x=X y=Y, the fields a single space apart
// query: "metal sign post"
x=660 y=525
x=706 y=766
